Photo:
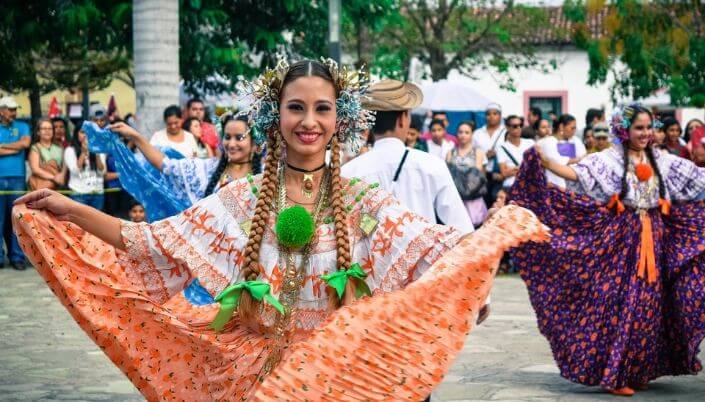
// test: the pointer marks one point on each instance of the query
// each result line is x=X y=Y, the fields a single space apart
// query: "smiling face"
x=308 y=118
x=673 y=133
x=236 y=141
x=640 y=131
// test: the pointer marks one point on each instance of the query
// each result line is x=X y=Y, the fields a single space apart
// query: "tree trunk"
x=35 y=104
x=156 y=57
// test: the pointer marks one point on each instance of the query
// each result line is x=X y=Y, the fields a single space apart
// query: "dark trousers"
x=14 y=252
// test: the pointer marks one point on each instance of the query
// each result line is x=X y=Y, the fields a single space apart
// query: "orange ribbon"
x=647 y=259
x=665 y=206
x=616 y=203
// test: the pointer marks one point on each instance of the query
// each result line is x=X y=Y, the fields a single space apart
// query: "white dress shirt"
x=517 y=152
x=440 y=150
x=188 y=147
x=424 y=184
x=483 y=140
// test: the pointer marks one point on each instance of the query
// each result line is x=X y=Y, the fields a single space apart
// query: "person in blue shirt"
x=15 y=138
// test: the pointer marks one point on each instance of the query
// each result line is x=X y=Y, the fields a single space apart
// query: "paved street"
x=45 y=356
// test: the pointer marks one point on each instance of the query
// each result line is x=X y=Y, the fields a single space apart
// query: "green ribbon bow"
x=337 y=280
x=229 y=299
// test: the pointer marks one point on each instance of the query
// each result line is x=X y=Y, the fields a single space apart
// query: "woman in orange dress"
x=281 y=252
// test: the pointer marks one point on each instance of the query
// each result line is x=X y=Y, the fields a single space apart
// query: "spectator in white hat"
x=15 y=138
x=489 y=138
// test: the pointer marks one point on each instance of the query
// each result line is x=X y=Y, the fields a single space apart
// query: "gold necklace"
x=293 y=277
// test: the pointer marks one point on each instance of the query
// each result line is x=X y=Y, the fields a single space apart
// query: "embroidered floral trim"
x=424 y=247
x=172 y=241
x=140 y=263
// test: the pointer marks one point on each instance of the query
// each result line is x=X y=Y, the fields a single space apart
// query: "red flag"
x=54 y=110
x=112 y=107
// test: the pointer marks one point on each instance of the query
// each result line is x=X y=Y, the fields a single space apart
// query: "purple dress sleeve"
x=685 y=181
x=597 y=177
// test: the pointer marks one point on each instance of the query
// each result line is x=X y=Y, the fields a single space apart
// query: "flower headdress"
x=350 y=84
x=622 y=120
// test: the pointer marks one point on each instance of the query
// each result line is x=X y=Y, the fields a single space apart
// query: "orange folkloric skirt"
x=394 y=346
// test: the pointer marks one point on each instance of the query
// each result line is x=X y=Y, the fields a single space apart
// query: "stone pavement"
x=44 y=355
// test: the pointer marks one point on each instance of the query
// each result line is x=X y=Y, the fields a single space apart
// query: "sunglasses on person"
x=514 y=126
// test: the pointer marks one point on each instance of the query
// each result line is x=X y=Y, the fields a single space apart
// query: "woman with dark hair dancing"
x=281 y=251
x=163 y=181
x=618 y=291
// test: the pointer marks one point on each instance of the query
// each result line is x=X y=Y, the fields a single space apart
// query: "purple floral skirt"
x=606 y=325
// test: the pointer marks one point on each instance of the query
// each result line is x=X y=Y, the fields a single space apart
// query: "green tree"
x=646 y=46
x=462 y=35
x=60 y=44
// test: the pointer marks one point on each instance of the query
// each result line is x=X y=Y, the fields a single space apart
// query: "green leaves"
x=646 y=47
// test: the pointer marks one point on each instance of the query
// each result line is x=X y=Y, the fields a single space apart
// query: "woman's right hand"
x=542 y=157
x=125 y=130
x=48 y=200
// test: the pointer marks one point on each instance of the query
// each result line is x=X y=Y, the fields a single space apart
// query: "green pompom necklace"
x=295 y=226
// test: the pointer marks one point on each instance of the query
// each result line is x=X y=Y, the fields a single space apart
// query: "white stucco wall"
x=570 y=76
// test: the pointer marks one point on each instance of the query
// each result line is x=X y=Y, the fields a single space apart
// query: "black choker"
x=304 y=170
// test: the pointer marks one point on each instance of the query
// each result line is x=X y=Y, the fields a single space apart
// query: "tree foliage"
x=61 y=44
x=645 y=47
x=455 y=34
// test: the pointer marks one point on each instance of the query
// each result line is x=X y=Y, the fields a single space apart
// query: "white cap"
x=8 y=102
x=493 y=106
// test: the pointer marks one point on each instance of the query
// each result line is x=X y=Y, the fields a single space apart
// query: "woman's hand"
x=48 y=200
x=125 y=131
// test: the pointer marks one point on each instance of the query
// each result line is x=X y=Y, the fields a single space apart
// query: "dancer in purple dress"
x=619 y=292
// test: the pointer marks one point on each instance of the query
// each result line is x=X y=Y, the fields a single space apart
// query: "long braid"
x=213 y=181
x=267 y=194
x=661 y=185
x=625 y=185
x=341 y=226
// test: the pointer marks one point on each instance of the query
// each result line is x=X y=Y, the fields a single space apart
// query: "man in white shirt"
x=511 y=152
x=489 y=137
x=420 y=181
x=174 y=136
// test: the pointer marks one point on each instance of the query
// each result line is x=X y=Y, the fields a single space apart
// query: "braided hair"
x=269 y=191
x=638 y=110
x=223 y=162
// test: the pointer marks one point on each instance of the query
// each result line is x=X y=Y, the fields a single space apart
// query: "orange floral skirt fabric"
x=393 y=346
